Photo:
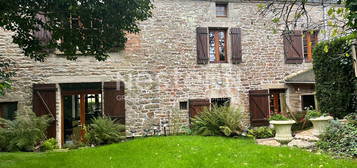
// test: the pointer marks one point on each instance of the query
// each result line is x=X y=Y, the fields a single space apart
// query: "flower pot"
x=283 y=130
x=320 y=124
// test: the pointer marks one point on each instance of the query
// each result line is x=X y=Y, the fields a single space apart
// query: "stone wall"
x=294 y=93
x=159 y=65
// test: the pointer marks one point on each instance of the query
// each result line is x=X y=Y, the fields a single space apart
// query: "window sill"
x=220 y=62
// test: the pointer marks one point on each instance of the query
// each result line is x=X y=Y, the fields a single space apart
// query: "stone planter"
x=283 y=130
x=320 y=124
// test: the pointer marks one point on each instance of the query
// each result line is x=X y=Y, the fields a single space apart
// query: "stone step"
x=301 y=144
x=308 y=138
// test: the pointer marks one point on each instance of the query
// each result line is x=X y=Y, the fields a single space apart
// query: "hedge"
x=335 y=78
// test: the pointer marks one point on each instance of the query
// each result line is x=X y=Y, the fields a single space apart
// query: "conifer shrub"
x=335 y=78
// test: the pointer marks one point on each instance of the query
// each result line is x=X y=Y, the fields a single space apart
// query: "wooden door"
x=44 y=103
x=259 y=107
x=197 y=105
x=114 y=101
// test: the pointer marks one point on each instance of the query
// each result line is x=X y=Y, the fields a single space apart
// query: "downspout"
x=354 y=43
x=324 y=11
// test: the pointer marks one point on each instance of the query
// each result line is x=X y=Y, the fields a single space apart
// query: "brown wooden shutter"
x=114 y=101
x=236 y=39
x=43 y=35
x=44 y=103
x=293 y=47
x=197 y=105
x=259 y=107
x=202 y=45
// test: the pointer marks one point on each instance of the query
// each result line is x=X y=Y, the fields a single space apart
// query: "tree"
x=341 y=18
x=74 y=27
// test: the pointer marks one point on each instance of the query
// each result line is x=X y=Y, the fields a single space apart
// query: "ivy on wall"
x=335 y=78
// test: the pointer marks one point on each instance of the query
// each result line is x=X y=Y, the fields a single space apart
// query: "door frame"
x=82 y=107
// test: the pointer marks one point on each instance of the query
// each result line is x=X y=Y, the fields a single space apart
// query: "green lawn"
x=179 y=151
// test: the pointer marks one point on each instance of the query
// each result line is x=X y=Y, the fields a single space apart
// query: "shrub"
x=104 y=130
x=49 y=144
x=335 y=76
x=301 y=125
x=278 y=117
x=310 y=113
x=75 y=145
x=261 y=132
x=222 y=120
x=339 y=139
x=352 y=119
x=23 y=133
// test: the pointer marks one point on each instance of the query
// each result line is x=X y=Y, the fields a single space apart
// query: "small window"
x=218 y=46
x=8 y=110
x=183 y=105
x=220 y=102
x=308 y=101
x=221 y=10
x=310 y=41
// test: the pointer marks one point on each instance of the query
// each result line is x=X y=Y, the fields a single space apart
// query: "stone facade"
x=159 y=66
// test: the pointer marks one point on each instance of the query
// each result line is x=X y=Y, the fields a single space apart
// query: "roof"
x=307 y=77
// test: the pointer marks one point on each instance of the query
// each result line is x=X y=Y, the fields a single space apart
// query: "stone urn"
x=283 y=130
x=320 y=124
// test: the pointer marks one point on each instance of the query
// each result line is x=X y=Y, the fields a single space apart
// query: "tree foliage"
x=290 y=14
x=74 y=27
x=335 y=79
x=352 y=17
x=5 y=75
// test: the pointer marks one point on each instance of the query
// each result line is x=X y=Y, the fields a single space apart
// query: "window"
x=276 y=101
x=308 y=101
x=8 y=110
x=217 y=45
x=221 y=10
x=183 y=105
x=221 y=102
x=310 y=40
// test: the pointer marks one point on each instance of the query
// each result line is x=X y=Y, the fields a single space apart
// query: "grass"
x=176 y=151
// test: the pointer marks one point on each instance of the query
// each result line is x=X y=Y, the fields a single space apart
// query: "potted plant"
x=282 y=126
x=319 y=121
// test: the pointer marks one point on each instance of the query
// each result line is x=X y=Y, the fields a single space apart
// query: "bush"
x=222 y=120
x=310 y=113
x=352 y=119
x=261 y=132
x=49 y=144
x=104 y=130
x=335 y=77
x=23 y=133
x=339 y=139
x=301 y=125
x=278 y=117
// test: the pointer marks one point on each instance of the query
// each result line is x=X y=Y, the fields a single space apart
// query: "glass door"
x=79 y=110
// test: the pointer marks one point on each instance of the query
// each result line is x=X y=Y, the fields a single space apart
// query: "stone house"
x=190 y=54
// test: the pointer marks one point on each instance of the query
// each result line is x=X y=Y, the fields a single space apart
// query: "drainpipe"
x=324 y=11
x=354 y=44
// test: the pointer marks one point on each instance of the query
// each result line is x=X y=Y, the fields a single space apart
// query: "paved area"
x=302 y=139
